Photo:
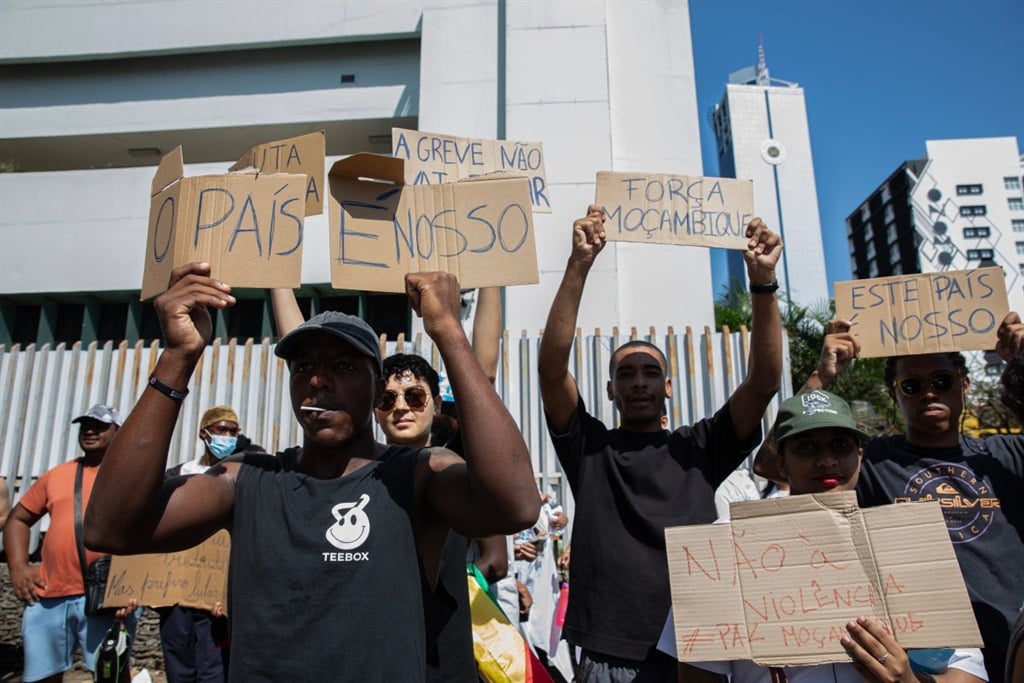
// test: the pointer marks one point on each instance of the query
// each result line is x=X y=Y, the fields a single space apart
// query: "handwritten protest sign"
x=778 y=584
x=957 y=310
x=197 y=577
x=247 y=226
x=670 y=209
x=431 y=159
x=479 y=229
x=303 y=154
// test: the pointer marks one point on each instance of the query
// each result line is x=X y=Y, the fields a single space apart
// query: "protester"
x=633 y=481
x=55 y=623
x=195 y=641
x=331 y=541
x=536 y=554
x=979 y=483
x=819 y=449
x=410 y=413
x=406 y=414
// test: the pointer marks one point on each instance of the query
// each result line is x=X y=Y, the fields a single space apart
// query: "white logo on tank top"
x=351 y=527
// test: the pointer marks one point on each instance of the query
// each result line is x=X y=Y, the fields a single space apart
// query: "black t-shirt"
x=450 y=657
x=980 y=485
x=628 y=487
x=326 y=582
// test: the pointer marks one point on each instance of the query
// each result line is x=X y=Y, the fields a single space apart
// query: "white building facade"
x=93 y=93
x=762 y=133
x=960 y=207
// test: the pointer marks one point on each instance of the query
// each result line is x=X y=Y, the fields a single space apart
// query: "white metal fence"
x=42 y=389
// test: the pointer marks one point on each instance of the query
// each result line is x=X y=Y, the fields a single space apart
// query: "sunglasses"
x=940 y=382
x=415 y=398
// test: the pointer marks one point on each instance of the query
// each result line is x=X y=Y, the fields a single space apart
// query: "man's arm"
x=493 y=562
x=557 y=387
x=287 y=315
x=131 y=509
x=837 y=353
x=493 y=490
x=24 y=576
x=747 y=404
x=5 y=502
x=487 y=330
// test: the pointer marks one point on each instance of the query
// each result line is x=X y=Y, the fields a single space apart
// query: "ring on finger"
x=884 y=658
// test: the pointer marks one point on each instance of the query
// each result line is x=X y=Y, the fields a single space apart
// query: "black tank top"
x=326 y=582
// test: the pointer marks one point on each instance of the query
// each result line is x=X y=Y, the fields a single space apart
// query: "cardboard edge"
x=170 y=169
x=371 y=166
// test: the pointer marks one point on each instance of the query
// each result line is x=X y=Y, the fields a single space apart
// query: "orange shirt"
x=55 y=493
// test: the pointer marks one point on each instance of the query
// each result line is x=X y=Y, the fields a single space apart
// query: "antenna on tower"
x=762 y=66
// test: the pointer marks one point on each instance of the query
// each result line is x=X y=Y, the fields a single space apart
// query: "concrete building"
x=91 y=94
x=762 y=133
x=959 y=207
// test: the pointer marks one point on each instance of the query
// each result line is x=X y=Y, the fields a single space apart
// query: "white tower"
x=762 y=133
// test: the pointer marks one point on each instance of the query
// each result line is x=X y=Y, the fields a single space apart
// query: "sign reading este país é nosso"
x=956 y=310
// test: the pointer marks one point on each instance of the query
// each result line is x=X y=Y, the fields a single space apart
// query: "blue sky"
x=880 y=78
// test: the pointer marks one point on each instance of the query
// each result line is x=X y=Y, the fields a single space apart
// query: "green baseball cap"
x=817 y=409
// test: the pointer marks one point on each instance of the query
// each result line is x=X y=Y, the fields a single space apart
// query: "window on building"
x=1017 y=224
x=1016 y=203
x=975 y=210
x=870 y=253
x=1020 y=247
x=968 y=189
x=897 y=269
x=886 y=195
x=985 y=254
x=891 y=233
x=1020 y=268
x=873 y=269
x=974 y=233
x=890 y=215
x=894 y=252
x=1011 y=182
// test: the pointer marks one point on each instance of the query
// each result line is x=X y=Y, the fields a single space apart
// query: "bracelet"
x=166 y=390
x=766 y=288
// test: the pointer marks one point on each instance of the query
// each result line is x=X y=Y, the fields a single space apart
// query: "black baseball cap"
x=352 y=329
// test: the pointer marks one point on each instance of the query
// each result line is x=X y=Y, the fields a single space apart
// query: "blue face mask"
x=221 y=446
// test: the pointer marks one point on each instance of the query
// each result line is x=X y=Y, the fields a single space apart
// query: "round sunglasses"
x=940 y=381
x=414 y=397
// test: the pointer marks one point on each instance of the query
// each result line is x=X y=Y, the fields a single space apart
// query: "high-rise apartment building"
x=93 y=93
x=959 y=207
x=761 y=128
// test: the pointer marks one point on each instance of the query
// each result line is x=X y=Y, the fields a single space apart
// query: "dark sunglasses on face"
x=940 y=382
x=415 y=398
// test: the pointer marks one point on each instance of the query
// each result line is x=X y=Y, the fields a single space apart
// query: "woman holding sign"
x=979 y=483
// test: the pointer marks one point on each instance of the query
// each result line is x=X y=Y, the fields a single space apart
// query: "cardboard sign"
x=247 y=226
x=480 y=229
x=197 y=577
x=303 y=154
x=958 y=310
x=780 y=582
x=670 y=209
x=431 y=159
